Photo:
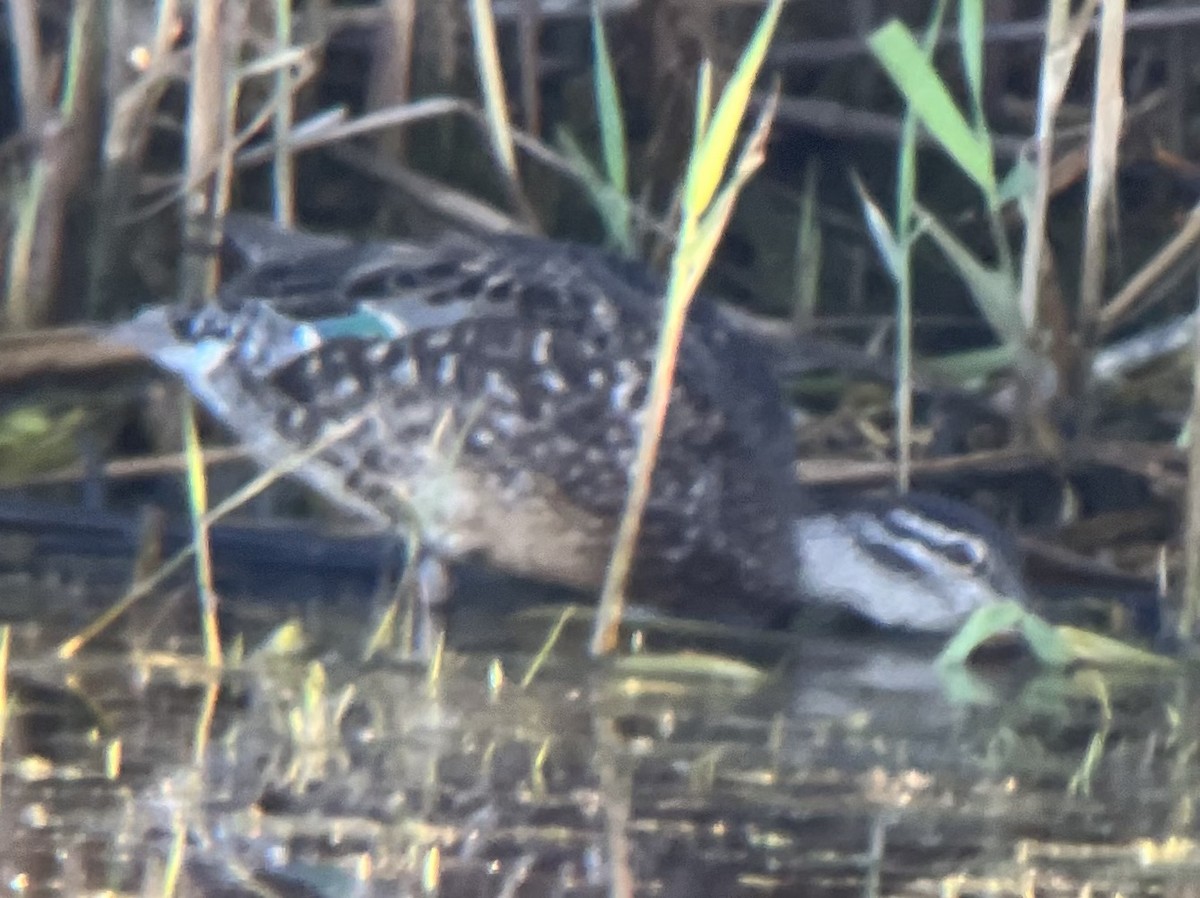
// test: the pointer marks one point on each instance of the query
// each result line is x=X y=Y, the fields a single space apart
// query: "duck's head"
x=919 y=563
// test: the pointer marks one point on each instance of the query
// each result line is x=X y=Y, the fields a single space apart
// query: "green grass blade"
x=806 y=276
x=886 y=244
x=970 y=39
x=487 y=55
x=993 y=289
x=197 y=493
x=719 y=670
x=698 y=253
x=1053 y=646
x=612 y=205
x=608 y=107
x=1019 y=185
x=197 y=484
x=918 y=82
x=703 y=104
x=972 y=366
x=693 y=252
x=1086 y=647
x=986 y=623
x=707 y=166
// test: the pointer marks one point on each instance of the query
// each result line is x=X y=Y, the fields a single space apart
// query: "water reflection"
x=821 y=764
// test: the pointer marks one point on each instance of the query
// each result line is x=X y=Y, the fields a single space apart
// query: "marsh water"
x=713 y=761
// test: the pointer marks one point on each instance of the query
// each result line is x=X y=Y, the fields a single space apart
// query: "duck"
x=490 y=391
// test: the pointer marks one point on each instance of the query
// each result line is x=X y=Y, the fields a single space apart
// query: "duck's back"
x=497 y=388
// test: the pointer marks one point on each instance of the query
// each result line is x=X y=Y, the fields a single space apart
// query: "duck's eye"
x=955 y=545
x=964 y=553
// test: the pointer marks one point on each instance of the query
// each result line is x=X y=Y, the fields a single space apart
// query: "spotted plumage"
x=495 y=390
